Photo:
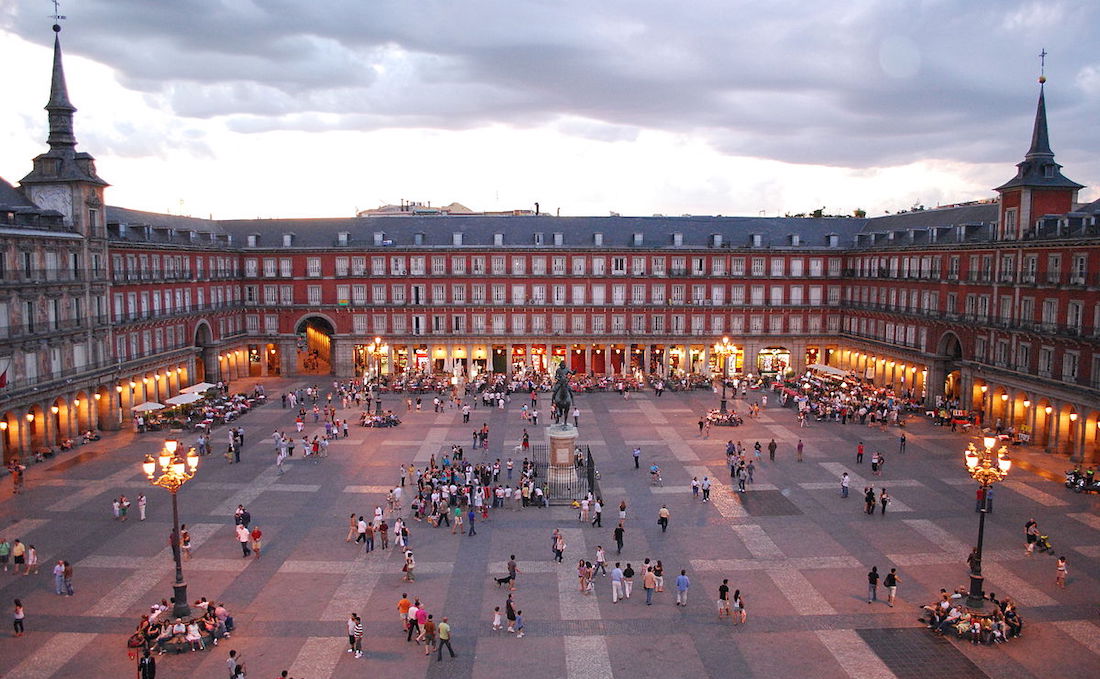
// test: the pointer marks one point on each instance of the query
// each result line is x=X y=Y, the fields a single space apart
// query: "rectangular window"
x=618 y=265
x=578 y=294
x=718 y=266
x=458 y=293
x=519 y=294
x=519 y=266
x=796 y=267
x=538 y=266
x=378 y=293
x=657 y=265
x=778 y=266
x=657 y=293
x=359 y=294
x=637 y=266
x=314 y=294
x=737 y=295
x=313 y=267
x=497 y=264
x=398 y=293
x=599 y=266
x=558 y=266
x=737 y=266
x=439 y=266
x=578 y=266
x=599 y=293
x=458 y=266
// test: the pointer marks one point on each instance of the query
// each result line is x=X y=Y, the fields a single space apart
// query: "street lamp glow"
x=174 y=473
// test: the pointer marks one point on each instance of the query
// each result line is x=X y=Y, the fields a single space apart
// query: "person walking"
x=682 y=586
x=67 y=574
x=243 y=537
x=662 y=517
x=844 y=485
x=510 y=613
x=901 y=444
x=428 y=632
x=257 y=541
x=1059 y=578
x=859 y=453
x=513 y=569
x=597 y=513
x=559 y=547
x=519 y=625
x=890 y=582
x=884 y=499
x=869 y=500
x=622 y=511
x=59 y=578
x=724 y=598
x=798 y=449
x=141 y=502
x=771 y=450
x=739 y=609
x=628 y=580
x=618 y=533
x=353 y=529
x=409 y=568
x=649 y=584
x=1031 y=535
x=147 y=666
x=470 y=520
x=18 y=615
x=443 y=631
x=355 y=630
x=872 y=584
x=705 y=485
x=637 y=453
x=616 y=583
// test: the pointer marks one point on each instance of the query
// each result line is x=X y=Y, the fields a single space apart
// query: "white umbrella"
x=196 y=388
x=183 y=399
x=148 y=406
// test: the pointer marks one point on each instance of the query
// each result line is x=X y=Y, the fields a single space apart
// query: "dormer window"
x=638 y=239
x=288 y=240
x=342 y=238
x=538 y=239
x=456 y=239
x=498 y=239
x=418 y=238
x=559 y=238
x=677 y=239
x=757 y=240
x=1048 y=171
x=597 y=239
x=253 y=239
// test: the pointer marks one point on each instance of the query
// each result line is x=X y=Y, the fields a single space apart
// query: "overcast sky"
x=258 y=108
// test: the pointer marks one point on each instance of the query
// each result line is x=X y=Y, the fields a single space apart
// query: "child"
x=1060 y=578
x=496 y=619
x=519 y=624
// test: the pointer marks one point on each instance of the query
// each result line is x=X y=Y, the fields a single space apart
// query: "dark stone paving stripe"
x=911 y=653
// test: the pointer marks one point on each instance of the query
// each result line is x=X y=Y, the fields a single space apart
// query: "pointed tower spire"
x=1040 y=139
x=59 y=108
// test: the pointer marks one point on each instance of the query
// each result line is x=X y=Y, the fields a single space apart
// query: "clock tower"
x=64 y=179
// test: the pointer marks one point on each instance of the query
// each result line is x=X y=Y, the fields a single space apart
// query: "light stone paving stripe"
x=958 y=481
x=575 y=605
x=286 y=487
x=1083 y=632
x=643 y=443
x=895 y=505
x=797 y=563
x=366 y=564
x=148 y=573
x=246 y=495
x=1092 y=551
x=612 y=492
x=367 y=489
x=836 y=469
x=1090 y=520
x=430 y=446
x=939 y=537
x=721 y=496
x=757 y=541
x=352 y=594
x=51 y=656
x=346 y=442
x=587 y=658
x=402 y=443
x=1022 y=592
x=92 y=490
x=1034 y=494
x=20 y=528
x=652 y=413
x=672 y=490
x=318 y=657
x=524 y=567
x=938 y=558
x=854 y=655
x=800 y=592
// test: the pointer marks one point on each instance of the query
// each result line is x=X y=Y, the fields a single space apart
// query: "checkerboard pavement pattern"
x=796 y=550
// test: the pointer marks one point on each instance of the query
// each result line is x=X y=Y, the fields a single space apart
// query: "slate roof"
x=11 y=198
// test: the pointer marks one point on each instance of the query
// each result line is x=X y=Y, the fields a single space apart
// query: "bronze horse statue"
x=562 y=396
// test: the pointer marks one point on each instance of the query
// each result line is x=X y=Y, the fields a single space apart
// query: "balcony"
x=21 y=277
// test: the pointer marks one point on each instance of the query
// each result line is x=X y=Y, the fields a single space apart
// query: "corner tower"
x=1039 y=187
x=64 y=179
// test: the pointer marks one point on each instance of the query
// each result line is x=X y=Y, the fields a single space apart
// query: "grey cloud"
x=832 y=82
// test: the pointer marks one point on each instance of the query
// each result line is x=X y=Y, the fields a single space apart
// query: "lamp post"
x=175 y=472
x=376 y=349
x=724 y=349
x=987 y=468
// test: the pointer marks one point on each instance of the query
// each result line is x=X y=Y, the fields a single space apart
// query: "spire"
x=60 y=109
x=1040 y=140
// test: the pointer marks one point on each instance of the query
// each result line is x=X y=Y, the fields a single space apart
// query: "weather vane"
x=1043 y=66
x=56 y=16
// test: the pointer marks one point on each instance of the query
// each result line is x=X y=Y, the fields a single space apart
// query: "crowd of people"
x=157 y=631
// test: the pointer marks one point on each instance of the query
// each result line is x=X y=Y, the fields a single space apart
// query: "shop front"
x=773 y=361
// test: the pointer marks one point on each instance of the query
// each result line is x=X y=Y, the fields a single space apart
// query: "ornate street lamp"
x=376 y=349
x=724 y=349
x=987 y=468
x=175 y=471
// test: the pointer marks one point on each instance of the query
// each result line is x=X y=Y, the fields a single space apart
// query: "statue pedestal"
x=561 y=473
x=562 y=440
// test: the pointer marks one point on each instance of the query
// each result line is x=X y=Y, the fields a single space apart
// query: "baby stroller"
x=1043 y=545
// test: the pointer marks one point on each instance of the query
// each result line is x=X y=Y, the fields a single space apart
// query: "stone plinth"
x=562 y=440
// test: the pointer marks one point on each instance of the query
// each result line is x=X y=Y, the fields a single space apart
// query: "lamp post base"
x=723 y=408
x=181 y=609
x=975 y=600
x=378 y=408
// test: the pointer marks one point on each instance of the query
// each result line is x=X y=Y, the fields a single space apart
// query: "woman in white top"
x=193 y=636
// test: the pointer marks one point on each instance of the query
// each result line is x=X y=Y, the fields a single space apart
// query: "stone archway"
x=315 y=344
x=206 y=367
x=9 y=436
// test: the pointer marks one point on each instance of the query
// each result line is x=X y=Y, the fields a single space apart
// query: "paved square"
x=797 y=551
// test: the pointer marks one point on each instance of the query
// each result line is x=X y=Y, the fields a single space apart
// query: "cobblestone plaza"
x=796 y=550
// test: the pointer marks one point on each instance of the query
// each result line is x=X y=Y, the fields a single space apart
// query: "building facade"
x=103 y=308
